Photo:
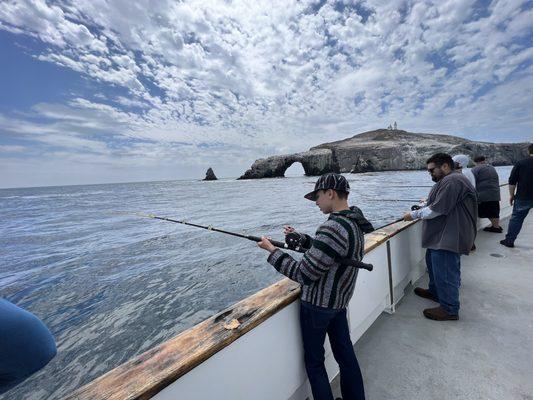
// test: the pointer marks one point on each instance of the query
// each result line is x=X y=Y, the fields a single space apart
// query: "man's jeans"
x=520 y=211
x=444 y=269
x=315 y=322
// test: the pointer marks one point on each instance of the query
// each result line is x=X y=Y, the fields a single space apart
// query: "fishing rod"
x=401 y=200
x=211 y=228
x=413 y=208
x=409 y=186
x=257 y=239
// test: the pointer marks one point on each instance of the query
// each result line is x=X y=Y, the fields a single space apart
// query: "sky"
x=124 y=90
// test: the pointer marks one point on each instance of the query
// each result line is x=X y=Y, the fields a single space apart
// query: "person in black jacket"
x=520 y=196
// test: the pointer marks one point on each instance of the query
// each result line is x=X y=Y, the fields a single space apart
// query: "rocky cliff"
x=383 y=150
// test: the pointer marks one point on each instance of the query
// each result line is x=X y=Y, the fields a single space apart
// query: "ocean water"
x=111 y=285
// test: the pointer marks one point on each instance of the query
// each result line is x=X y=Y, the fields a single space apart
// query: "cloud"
x=48 y=23
x=10 y=149
x=279 y=79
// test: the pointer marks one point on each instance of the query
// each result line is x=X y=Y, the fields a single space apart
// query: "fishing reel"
x=295 y=241
x=299 y=242
x=421 y=203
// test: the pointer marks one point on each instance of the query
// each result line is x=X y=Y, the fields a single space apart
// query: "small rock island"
x=210 y=175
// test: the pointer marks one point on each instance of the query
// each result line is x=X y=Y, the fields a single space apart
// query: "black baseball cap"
x=331 y=180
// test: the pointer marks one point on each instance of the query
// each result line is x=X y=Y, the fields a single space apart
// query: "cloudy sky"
x=121 y=90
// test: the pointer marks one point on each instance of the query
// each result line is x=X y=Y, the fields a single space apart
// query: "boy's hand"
x=288 y=229
x=266 y=245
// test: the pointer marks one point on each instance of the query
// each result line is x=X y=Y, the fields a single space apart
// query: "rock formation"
x=383 y=150
x=210 y=175
x=314 y=162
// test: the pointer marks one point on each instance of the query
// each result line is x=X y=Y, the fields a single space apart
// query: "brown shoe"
x=426 y=294
x=439 y=314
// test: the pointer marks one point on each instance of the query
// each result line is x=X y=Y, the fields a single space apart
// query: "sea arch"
x=314 y=162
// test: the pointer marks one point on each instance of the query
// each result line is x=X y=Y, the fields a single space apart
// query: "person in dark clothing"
x=521 y=182
x=327 y=286
x=488 y=193
x=448 y=230
x=26 y=345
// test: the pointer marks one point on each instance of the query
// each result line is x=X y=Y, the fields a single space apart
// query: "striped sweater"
x=326 y=283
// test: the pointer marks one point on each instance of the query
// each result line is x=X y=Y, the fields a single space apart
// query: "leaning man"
x=448 y=230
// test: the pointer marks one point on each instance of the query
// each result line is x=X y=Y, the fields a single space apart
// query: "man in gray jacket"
x=448 y=230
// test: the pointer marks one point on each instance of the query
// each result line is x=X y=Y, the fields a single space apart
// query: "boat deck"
x=487 y=354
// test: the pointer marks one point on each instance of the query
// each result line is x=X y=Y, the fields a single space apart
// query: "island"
x=383 y=150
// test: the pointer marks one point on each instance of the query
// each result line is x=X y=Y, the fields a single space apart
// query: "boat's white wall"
x=371 y=295
x=267 y=362
x=264 y=364
x=505 y=208
x=407 y=260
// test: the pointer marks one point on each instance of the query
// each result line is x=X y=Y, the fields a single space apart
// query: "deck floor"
x=487 y=354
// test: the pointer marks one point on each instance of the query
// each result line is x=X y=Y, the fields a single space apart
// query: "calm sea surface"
x=111 y=285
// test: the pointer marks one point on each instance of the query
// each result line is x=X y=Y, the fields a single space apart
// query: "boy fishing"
x=327 y=286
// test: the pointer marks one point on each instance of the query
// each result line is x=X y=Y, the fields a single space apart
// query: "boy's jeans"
x=315 y=322
x=444 y=269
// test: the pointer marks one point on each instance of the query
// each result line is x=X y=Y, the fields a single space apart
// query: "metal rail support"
x=391 y=308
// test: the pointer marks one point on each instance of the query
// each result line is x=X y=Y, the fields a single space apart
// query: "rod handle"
x=358 y=264
x=281 y=245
